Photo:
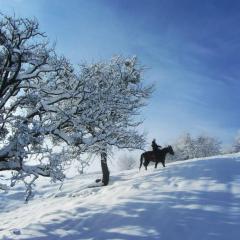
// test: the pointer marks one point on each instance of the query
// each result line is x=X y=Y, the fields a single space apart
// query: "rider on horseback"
x=155 y=147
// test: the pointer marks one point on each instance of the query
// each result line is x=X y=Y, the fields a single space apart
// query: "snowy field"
x=196 y=200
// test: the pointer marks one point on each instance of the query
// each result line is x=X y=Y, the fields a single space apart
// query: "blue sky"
x=191 y=49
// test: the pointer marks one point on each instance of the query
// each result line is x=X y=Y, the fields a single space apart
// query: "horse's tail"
x=141 y=161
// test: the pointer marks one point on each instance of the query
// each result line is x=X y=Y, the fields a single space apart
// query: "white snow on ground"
x=197 y=199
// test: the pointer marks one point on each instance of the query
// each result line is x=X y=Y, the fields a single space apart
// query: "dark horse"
x=155 y=156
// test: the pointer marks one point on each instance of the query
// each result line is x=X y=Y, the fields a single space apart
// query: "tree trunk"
x=105 y=171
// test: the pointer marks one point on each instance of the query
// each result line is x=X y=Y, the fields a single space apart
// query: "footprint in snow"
x=82 y=193
x=16 y=231
x=60 y=194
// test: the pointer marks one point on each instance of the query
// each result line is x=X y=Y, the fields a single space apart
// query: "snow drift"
x=195 y=199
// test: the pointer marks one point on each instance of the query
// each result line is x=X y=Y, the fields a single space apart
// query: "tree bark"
x=105 y=171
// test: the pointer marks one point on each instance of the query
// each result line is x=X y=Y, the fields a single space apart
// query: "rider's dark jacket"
x=155 y=147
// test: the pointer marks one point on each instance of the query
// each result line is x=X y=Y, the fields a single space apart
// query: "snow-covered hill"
x=196 y=199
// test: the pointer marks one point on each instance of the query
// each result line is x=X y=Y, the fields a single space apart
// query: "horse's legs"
x=141 y=161
x=156 y=164
x=146 y=162
x=163 y=163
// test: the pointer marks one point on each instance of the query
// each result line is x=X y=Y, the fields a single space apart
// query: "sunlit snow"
x=195 y=199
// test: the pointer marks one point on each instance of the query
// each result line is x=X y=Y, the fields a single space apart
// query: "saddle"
x=157 y=152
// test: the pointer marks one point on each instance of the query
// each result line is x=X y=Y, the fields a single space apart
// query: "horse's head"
x=170 y=149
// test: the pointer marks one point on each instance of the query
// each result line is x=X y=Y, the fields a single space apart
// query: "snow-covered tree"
x=206 y=146
x=187 y=147
x=44 y=103
x=29 y=69
x=116 y=91
x=37 y=93
x=236 y=145
x=183 y=148
x=127 y=162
